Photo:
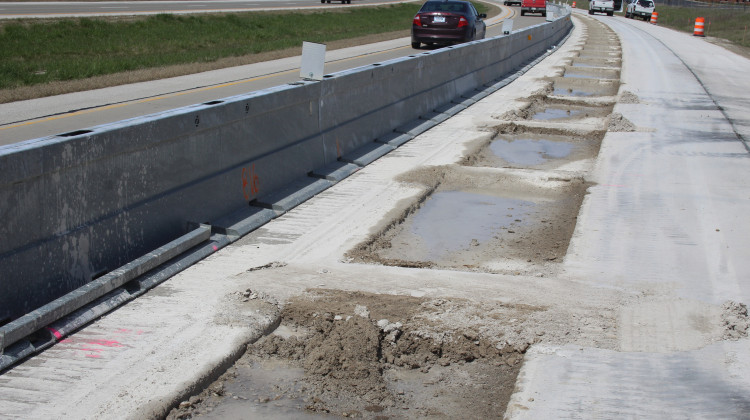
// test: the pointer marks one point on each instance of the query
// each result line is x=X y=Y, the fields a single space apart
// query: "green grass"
x=34 y=52
x=729 y=24
x=38 y=52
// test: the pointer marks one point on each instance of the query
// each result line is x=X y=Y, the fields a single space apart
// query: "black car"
x=447 y=22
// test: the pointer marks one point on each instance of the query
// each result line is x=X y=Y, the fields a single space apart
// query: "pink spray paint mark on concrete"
x=105 y=343
x=54 y=332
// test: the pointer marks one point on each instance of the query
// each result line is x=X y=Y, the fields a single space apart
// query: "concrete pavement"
x=667 y=219
x=660 y=241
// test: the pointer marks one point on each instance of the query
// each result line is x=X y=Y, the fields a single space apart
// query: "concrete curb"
x=62 y=316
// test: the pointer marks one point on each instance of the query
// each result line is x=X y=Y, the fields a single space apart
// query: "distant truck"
x=639 y=8
x=534 y=6
x=602 y=6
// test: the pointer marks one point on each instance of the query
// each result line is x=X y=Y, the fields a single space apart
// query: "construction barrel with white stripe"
x=699 y=26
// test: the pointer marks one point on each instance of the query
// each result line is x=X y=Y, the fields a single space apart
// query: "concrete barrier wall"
x=81 y=204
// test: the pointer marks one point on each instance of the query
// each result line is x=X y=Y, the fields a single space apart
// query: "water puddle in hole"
x=530 y=152
x=450 y=221
x=555 y=113
x=257 y=388
x=571 y=92
x=579 y=76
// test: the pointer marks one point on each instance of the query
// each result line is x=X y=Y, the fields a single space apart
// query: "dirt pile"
x=380 y=356
x=628 y=97
x=618 y=123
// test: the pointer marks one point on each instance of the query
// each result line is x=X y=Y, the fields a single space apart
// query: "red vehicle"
x=534 y=6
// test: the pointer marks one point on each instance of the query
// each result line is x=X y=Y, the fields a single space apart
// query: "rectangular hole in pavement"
x=529 y=151
x=563 y=86
x=581 y=64
x=386 y=345
x=534 y=148
x=610 y=63
x=555 y=113
x=580 y=76
x=580 y=72
x=571 y=92
x=481 y=220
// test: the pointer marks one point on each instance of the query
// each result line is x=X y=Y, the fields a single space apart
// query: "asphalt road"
x=118 y=8
x=32 y=119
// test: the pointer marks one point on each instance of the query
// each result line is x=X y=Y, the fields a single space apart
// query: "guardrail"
x=80 y=204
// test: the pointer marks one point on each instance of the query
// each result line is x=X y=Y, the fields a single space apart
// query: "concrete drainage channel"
x=509 y=207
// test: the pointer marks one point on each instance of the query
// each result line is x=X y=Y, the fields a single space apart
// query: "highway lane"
x=26 y=120
x=666 y=219
x=124 y=8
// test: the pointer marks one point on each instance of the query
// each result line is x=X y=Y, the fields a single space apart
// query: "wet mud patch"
x=595 y=73
x=596 y=62
x=532 y=150
x=556 y=110
x=584 y=88
x=361 y=355
x=480 y=219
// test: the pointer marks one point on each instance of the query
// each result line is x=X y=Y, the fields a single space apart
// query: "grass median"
x=729 y=23
x=724 y=21
x=41 y=58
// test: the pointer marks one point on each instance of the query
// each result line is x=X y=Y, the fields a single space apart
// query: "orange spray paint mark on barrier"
x=249 y=178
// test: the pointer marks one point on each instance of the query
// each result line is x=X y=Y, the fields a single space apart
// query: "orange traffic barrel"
x=654 y=16
x=574 y=5
x=699 y=26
